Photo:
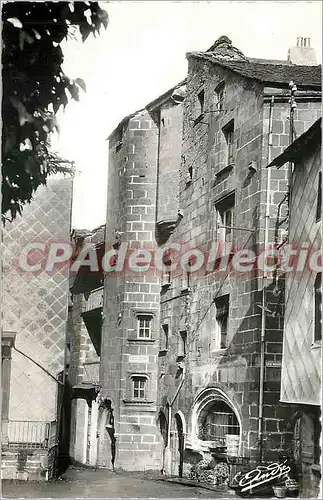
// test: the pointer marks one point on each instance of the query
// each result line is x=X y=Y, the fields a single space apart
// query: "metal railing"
x=28 y=434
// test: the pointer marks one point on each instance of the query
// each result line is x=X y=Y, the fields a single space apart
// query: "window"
x=200 y=98
x=215 y=421
x=165 y=336
x=228 y=132
x=219 y=96
x=144 y=326
x=319 y=199
x=189 y=175
x=225 y=218
x=139 y=387
x=182 y=348
x=220 y=338
x=318 y=308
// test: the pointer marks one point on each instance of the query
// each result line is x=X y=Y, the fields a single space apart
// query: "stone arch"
x=203 y=401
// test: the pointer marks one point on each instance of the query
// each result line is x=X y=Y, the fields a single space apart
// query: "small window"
x=189 y=175
x=165 y=336
x=182 y=350
x=225 y=218
x=319 y=199
x=139 y=387
x=220 y=339
x=228 y=132
x=318 y=308
x=200 y=98
x=219 y=96
x=144 y=326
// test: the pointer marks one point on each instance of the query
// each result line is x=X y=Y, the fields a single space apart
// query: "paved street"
x=85 y=483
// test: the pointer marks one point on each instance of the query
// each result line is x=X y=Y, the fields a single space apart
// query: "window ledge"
x=137 y=402
x=144 y=341
x=163 y=352
x=317 y=345
x=228 y=167
x=316 y=468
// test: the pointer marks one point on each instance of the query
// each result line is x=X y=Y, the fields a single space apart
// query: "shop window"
x=219 y=96
x=144 y=324
x=319 y=199
x=225 y=218
x=216 y=421
x=220 y=335
x=228 y=132
x=318 y=308
x=139 y=387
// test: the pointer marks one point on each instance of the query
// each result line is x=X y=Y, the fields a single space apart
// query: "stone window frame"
x=130 y=399
x=220 y=309
x=222 y=206
x=164 y=337
x=133 y=329
x=220 y=95
x=228 y=134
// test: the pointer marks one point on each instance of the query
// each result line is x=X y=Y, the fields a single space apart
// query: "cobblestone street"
x=85 y=483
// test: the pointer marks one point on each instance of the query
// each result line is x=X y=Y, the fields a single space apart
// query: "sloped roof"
x=303 y=145
x=270 y=73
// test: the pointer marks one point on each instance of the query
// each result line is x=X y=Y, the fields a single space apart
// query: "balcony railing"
x=28 y=434
x=94 y=300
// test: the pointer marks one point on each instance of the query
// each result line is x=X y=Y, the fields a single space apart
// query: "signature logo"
x=261 y=475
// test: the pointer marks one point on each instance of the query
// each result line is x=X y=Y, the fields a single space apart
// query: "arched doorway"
x=178 y=443
x=163 y=427
x=216 y=422
x=180 y=437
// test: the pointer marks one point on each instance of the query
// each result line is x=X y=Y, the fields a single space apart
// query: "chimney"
x=303 y=54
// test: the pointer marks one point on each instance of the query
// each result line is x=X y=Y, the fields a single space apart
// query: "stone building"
x=302 y=356
x=83 y=417
x=34 y=310
x=144 y=151
x=221 y=331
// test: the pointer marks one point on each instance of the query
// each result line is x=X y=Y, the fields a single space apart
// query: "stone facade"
x=34 y=314
x=301 y=363
x=188 y=164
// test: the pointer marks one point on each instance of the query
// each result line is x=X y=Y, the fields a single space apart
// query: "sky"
x=142 y=54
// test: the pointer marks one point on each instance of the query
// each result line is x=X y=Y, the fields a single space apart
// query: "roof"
x=151 y=106
x=269 y=73
x=302 y=145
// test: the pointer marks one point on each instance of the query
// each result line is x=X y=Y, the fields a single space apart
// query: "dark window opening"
x=201 y=101
x=183 y=343
x=228 y=132
x=222 y=320
x=319 y=199
x=165 y=339
x=318 y=308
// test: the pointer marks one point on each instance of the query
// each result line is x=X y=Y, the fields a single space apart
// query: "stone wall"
x=35 y=304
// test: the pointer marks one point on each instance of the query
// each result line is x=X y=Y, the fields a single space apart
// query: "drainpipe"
x=264 y=287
